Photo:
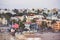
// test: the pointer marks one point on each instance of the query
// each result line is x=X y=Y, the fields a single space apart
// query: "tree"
x=5 y=9
x=15 y=10
x=8 y=16
x=38 y=11
x=33 y=9
x=44 y=14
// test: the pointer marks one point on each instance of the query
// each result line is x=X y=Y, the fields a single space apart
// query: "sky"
x=19 y=4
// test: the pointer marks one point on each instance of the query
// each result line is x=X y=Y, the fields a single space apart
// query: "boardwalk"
x=4 y=36
x=44 y=36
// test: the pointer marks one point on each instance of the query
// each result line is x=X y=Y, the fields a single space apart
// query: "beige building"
x=29 y=18
x=3 y=21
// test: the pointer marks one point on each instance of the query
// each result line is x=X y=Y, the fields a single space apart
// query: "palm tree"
x=45 y=14
x=38 y=11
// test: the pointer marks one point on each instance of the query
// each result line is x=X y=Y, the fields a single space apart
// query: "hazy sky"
x=29 y=4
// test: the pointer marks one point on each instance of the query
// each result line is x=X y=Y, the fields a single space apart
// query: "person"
x=21 y=27
x=34 y=27
x=13 y=32
x=27 y=27
x=15 y=26
x=49 y=26
x=44 y=25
